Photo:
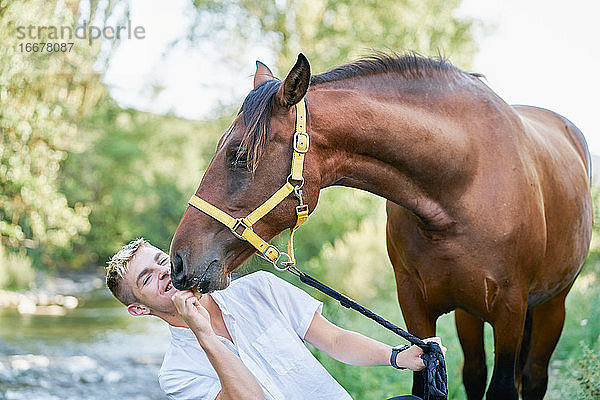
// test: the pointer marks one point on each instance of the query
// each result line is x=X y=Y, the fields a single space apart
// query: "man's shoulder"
x=182 y=355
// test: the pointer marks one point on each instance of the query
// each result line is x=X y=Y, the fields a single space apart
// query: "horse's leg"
x=546 y=326
x=411 y=287
x=470 y=334
x=421 y=325
x=508 y=323
x=525 y=343
x=417 y=317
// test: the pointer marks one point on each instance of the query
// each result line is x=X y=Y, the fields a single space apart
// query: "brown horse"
x=489 y=206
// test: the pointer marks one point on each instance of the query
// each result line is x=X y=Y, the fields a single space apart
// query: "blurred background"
x=106 y=143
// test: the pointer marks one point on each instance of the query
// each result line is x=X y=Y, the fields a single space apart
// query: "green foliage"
x=15 y=269
x=588 y=373
x=357 y=260
x=42 y=96
x=340 y=210
x=330 y=32
x=592 y=263
x=136 y=176
x=575 y=366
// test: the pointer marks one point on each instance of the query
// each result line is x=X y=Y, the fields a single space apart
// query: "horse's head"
x=251 y=163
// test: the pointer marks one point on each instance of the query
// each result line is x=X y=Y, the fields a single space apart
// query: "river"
x=95 y=351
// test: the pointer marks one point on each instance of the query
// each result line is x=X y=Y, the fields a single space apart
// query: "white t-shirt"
x=267 y=319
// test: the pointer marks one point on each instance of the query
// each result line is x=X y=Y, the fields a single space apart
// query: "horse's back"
x=548 y=123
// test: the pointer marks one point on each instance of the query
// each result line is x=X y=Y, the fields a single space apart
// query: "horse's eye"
x=240 y=161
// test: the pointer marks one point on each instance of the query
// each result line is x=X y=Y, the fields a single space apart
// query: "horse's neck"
x=396 y=148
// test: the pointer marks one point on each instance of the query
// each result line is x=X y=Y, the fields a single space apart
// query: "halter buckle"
x=301 y=141
x=296 y=187
x=240 y=222
x=302 y=209
x=285 y=264
x=272 y=254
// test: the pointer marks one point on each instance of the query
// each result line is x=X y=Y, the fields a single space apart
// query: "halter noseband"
x=242 y=227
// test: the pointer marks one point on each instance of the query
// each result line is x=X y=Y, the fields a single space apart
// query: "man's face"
x=148 y=276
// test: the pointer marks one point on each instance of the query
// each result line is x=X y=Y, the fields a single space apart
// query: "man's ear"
x=262 y=74
x=137 y=309
x=295 y=85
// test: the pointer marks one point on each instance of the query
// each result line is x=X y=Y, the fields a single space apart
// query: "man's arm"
x=237 y=382
x=353 y=348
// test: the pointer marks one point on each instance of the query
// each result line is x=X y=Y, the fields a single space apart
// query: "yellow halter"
x=242 y=227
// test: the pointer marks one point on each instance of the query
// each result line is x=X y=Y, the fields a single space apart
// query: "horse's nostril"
x=177 y=266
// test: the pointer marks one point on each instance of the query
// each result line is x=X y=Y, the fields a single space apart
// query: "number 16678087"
x=46 y=47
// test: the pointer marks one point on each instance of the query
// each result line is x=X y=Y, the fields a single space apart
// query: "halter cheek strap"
x=242 y=227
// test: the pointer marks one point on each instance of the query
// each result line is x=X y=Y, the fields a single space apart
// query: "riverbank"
x=50 y=295
x=94 y=350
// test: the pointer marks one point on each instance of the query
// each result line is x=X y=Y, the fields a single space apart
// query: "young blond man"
x=247 y=341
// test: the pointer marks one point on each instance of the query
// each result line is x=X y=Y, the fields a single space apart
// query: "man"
x=244 y=342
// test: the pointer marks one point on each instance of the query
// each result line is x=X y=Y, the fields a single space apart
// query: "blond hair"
x=117 y=268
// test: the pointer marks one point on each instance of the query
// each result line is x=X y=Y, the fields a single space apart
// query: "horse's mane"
x=409 y=66
x=257 y=107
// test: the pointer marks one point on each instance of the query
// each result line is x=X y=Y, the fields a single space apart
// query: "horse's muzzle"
x=185 y=276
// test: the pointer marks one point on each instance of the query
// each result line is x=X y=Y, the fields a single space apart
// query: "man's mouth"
x=168 y=287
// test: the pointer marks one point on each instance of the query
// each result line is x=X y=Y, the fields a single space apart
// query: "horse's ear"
x=295 y=85
x=262 y=74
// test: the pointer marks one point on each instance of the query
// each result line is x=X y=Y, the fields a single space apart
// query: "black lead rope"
x=436 y=381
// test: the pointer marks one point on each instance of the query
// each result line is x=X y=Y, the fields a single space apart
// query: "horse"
x=489 y=209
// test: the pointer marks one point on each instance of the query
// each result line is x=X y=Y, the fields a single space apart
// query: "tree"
x=135 y=176
x=330 y=32
x=42 y=97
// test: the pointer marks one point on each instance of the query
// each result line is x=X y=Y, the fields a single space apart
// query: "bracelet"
x=395 y=351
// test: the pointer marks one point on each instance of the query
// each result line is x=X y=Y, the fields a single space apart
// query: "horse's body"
x=489 y=209
x=523 y=225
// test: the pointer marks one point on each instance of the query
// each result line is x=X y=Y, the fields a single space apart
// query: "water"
x=96 y=351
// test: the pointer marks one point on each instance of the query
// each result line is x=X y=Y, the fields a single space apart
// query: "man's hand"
x=411 y=357
x=193 y=313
